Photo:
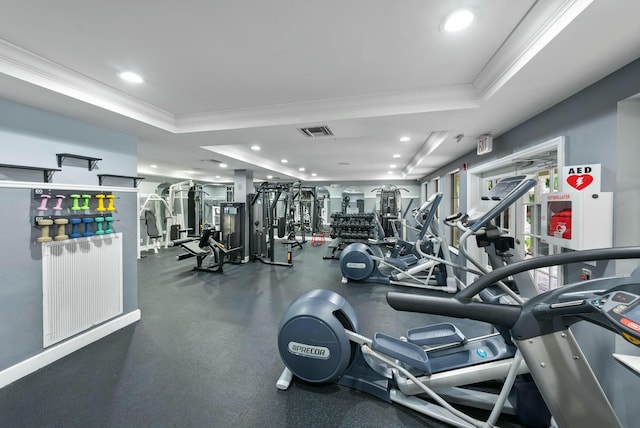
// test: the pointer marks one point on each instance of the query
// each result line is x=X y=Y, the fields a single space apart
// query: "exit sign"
x=485 y=144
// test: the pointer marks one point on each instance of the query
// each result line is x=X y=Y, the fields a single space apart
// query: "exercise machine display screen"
x=498 y=199
x=624 y=310
x=633 y=314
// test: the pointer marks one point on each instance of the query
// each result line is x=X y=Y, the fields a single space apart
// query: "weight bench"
x=201 y=248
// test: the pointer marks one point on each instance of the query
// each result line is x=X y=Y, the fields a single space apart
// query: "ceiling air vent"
x=316 y=131
x=216 y=161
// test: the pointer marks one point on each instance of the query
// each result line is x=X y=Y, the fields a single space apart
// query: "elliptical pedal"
x=436 y=335
x=406 y=352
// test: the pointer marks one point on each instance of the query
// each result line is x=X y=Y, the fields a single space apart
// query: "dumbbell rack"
x=348 y=228
x=353 y=226
x=75 y=213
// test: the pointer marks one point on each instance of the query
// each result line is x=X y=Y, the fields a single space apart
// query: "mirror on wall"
x=352 y=200
x=323 y=198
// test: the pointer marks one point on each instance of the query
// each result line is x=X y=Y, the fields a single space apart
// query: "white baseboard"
x=54 y=353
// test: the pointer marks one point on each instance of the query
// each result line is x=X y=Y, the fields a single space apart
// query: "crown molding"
x=544 y=21
x=29 y=67
x=373 y=105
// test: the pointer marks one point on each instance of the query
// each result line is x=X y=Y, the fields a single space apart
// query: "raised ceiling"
x=221 y=76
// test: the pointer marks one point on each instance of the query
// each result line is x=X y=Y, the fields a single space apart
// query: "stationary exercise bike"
x=319 y=343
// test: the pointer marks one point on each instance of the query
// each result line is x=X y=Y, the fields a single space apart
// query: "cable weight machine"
x=265 y=223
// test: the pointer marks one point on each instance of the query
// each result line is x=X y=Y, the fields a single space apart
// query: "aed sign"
x=579 y=178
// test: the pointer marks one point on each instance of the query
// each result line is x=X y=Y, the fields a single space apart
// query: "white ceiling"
x=221 y=76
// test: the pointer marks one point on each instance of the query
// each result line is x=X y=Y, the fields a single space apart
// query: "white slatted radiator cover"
x=81 y=284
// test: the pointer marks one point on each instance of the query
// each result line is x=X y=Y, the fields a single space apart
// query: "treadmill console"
x=506 y=192
x=623 y=310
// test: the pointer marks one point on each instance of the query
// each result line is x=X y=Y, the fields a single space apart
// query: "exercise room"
x=325 y=214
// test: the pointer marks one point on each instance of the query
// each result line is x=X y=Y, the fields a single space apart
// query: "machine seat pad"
x=402 y=262
x=193 y=248
x=406 y=352
x=436 y=334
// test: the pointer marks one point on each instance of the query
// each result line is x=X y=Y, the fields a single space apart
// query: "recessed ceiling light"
x=223 y=165
x=269 y=177
x=283 y=161
x=301 y=169
x=389 y=172
x=153 y=165
x=396 y=156
x=255 y=148
x=130 y=77
x=405 y=139
x=313 y=174
x=217 y=176
x=458 y=20
x=392 y=166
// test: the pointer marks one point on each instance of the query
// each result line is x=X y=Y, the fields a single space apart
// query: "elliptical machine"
x=319 y=343
x=423 y=264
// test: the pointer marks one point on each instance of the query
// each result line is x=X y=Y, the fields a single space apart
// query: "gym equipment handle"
x=499 y=314
x=574 y=307
x=554 y=260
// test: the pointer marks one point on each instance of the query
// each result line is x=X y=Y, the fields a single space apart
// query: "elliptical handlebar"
x=453 y=217
x=544 y=261
x=499 y=314
x=461 y=304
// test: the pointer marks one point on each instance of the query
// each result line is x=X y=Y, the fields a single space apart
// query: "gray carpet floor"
x=204 y=355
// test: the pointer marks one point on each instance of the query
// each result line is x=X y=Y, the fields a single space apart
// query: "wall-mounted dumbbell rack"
x=72 y=213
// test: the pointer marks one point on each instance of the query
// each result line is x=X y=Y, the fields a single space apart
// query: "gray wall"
x=587 y=120
x=33 y=137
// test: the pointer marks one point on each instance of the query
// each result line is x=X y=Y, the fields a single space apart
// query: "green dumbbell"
x=109 y=225
x=75 y=205
x=85 y=205
x=99 y=229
